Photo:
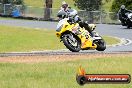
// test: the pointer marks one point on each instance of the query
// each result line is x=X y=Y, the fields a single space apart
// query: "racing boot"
x=87 y=27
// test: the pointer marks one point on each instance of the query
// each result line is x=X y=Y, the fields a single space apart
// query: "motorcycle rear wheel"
x=128 y=26
x=101 y=45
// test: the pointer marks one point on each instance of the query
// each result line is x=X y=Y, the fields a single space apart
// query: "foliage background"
x=117 y=3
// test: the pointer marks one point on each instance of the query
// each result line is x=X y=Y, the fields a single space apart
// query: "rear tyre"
x=128 y=26
x=101 y=45
x=71 y=42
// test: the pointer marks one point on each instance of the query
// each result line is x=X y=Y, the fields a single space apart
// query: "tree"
x=89 y=5
x=16 y=2
x=11 y=5
x=117 y=3
x=47 y=11
x=6 y=1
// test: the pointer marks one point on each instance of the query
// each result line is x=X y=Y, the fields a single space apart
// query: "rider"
x=73 y=17
x=122 y=13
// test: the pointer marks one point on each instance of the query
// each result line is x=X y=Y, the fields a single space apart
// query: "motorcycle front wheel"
x=71 y=42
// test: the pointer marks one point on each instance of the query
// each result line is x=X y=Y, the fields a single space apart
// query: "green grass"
x=57 y=3
x=110 y=40
x=35 y=3
x=14 y=39
x=18 y=39
x=41 y=3
x=107 y=5
x=62 y=74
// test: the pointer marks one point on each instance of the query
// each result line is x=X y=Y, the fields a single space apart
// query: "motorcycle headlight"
x=59 y=28
x=130 y=16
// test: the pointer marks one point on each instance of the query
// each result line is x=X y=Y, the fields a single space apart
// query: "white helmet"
x=64 y=5
x=122 y=7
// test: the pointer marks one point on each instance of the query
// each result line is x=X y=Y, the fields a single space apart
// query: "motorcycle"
x=76 y=38
x=126 y=21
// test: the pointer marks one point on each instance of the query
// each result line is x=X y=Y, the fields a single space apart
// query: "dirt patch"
x=56 y=58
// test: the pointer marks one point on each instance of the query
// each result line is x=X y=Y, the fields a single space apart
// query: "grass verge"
x=41 y=3
x=62 y=74
x=57 y=4
x=111 y=40
x=18 y=39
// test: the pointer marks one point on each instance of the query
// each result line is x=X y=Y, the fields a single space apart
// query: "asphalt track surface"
x=103 y=29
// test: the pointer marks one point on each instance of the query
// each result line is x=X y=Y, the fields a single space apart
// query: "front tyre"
x=101 y=45
x=71 y=42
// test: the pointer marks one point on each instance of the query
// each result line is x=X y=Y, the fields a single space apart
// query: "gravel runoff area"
x=58 y=58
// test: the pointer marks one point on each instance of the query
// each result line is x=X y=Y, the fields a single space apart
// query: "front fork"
x=70 y=37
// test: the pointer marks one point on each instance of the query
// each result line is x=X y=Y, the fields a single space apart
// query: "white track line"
x=122 y=42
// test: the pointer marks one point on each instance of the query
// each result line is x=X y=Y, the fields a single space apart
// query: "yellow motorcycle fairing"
x=65 y=27
x=86 y=42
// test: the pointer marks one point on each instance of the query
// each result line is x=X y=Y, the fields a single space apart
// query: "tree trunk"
x=47 y=9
